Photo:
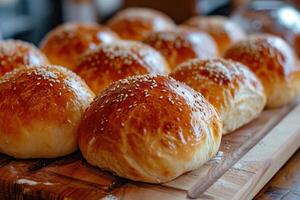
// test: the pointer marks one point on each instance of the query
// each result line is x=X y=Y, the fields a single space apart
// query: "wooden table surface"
x=285 y=185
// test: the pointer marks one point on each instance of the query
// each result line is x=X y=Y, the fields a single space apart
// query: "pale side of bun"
x=149 y=128
x=274 y=63
x=136 y=23
x=112 y=62
x=15 y=54
x=182 y=44
x=40 y=109
x=235 y=92
x=223 y=30
x=64 y=44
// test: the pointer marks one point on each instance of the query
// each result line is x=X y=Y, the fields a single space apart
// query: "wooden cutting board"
x=247 y=159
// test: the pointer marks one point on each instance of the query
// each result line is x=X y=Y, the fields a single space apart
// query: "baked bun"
x=182 y=44
x=234 y=91
x=112 y=62
x=137 y=23
x=40 y=109
x=16 y=54
x=149 y=128
x=274 y=63
x=223 y=30
x=65 y=43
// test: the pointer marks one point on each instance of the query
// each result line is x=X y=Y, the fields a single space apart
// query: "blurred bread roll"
x=277 y=17
x=64 y=44
x=149 y=128
x=235 y=92
x=112 y=62
x=182 y=44
x=136 y=23
x=224 y=31
x=40 y=109
x=274 y=63
x=296 y=44
x=15 y=54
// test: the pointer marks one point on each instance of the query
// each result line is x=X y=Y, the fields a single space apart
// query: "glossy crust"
x=182 y=44
x=274 y=63
x=112 y=62
x=235 y=92
x=223 y=30
x=16 y=54
x=137 y=23
x=149 y=128
x=64 y=44
x=40 y=109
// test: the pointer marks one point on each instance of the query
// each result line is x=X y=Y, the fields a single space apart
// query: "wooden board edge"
x=274 y=149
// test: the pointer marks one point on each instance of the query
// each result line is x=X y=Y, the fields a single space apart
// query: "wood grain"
x=215 y=172
x=278 y=146
x=285 y=184
x=71 y=177
x=233 y=147
x=31 y=179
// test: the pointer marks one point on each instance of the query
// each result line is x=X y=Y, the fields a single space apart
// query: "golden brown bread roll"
x=40 y=109
x=223 y=30
x=136 y=23
x=182 y=44
x=112 y=62
x=149 y=128
x=15 y=54
x=65 y=43
x=274 y=63
x=235 y=92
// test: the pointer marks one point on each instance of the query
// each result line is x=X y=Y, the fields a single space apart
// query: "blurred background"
x=30 y=19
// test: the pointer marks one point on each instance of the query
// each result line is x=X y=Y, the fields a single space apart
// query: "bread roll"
x=223 y=30
x=235 y=92
x=40 y=109
x=65 y=43
x=15 y=54
x=182 y=44
x=274 y=17
x=149 y=128
x=275 y=64
x=137 y=23
x=112 y=62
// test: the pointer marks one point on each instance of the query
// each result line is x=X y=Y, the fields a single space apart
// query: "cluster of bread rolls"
x=162 y=101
